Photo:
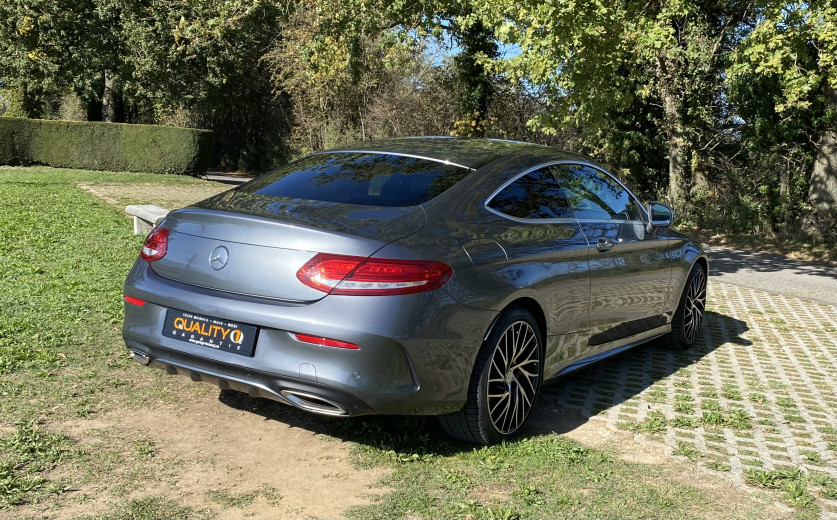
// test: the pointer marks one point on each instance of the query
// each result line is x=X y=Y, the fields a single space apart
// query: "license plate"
x=206 y=331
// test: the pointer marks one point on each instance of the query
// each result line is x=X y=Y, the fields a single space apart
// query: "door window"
x=594 y=195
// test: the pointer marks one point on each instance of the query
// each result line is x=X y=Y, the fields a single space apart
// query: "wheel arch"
x=704 y=262
x=700 y=260
x=532 y=307
x=691 y=256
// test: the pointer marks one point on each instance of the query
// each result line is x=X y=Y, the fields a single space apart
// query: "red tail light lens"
x=134 y=301
x=156 y=244
x=340 y=274
x=327 y=342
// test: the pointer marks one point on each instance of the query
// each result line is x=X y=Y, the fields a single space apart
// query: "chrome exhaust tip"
x=314 y=403
x=139 y=357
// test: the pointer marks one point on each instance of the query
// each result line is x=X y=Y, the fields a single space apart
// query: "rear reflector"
x=357 y=275
x=134 y=301
x=326 y=342
x=156 y=244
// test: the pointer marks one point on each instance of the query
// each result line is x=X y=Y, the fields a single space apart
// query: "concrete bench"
x=146 y=216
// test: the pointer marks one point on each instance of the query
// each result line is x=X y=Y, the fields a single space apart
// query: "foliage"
x=607 y=68
x=174 y=62
x=36 y=36
x=104 y=146
x=215 y=50
x=728 y=109
x=795 y=484
x=332 y=67
x=794 y=44
x=785 y=71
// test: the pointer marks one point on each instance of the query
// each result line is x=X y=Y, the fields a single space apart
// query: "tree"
x=596 y=59
x=338 y=56
x=46 y=46
x=332 y=60
x=200 y=64
x=794 y=47
x=151 y=61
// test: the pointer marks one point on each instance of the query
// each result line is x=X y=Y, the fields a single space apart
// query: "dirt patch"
x=219 y=459
x=168 y=196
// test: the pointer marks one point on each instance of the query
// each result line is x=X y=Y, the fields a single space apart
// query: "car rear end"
x=298 y=290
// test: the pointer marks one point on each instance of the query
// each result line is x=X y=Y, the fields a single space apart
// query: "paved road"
x=773 y=273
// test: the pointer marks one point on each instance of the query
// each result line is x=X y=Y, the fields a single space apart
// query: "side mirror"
x=659 y=215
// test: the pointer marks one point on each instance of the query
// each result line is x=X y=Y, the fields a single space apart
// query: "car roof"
x=462 y=151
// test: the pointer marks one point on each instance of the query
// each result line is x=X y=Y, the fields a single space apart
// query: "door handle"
x=604 y=244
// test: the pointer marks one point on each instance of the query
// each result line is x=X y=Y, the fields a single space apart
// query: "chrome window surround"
x=560 y=220
x=381 y=152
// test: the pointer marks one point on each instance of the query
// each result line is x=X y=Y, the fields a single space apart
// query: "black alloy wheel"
x=688 y=318
x=513 y=377
x=694 y=306
x=505 y=382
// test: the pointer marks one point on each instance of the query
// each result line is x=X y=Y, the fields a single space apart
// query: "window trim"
x=560 y=220
x=398 y=154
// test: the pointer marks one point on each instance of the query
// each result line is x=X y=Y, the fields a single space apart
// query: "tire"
x=688 y=318
x=504 y=385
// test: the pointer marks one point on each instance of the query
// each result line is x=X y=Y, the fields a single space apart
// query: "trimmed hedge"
x=105 y=146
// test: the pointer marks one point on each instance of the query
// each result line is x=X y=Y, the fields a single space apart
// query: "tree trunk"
x=822 y=194
x=678 y=181
x=28 y=103
x=475 y=84
x=108 y=98
x=784 y=196
x=699 y=186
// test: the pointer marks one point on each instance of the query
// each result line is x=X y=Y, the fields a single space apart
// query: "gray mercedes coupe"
x=434 y=276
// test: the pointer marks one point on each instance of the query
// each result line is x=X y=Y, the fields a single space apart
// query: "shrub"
x=104 y=146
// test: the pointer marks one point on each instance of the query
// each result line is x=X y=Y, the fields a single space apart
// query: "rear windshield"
x=360 y=178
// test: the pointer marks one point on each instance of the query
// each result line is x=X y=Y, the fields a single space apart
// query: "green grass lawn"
x=64 y=254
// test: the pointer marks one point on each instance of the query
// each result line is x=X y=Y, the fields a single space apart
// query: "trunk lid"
x=252 y=244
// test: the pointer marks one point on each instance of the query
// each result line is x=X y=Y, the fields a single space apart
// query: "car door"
x=547 y=257
x=630 y=268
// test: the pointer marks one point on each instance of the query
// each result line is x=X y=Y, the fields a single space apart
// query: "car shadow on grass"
x=562 y=407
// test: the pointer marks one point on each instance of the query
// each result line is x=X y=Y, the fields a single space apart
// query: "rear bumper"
x=416 y=351
x=312 y=398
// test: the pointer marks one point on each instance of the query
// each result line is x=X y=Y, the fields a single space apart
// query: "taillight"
x=357 y=275
x=156 y=244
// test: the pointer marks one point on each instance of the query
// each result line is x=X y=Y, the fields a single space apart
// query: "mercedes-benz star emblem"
x=219 y=257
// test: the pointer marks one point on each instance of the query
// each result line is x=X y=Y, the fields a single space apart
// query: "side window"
x=536 y=195
x=594 y=195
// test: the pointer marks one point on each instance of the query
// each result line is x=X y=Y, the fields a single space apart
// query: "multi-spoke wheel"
x=513 y=377
x=505 y=382
x=688 y=318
